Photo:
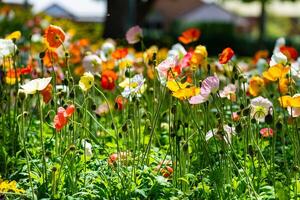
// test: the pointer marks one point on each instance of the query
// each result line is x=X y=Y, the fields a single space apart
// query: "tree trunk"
x=262 y=23
x=122 y=14
x=116 y=19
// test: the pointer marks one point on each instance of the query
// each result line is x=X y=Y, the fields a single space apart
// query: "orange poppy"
x=50 y=58
x=47 y=93
x=54 y=36
x=255 y=85
x=284 y=85
x=226 y=55
x=260 y=54
x=120 y=53
x=189 y=35
x=108 y=79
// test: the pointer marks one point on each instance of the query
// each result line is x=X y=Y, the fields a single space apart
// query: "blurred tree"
x=122 y=14
x=262 y=19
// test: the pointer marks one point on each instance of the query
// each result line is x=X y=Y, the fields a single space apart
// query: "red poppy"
x=226 y=55
x=189 y=35
x=47 y=93
x=120 y=53
x=61 y=118
x=289 y=52
x=54 y=36
x=108 y=79
x=120 y=102
x=164 y=168
x=20 y=71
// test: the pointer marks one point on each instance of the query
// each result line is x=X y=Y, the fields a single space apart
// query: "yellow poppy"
x=288 y=101
x=276 y=72
x=86 y=81
x=14 y=35
x=199 y=56
x=182 y=90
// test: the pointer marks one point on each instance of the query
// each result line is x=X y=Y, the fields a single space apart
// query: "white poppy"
x=278 y=58
x=35 y=85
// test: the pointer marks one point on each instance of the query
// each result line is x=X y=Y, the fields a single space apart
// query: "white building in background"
x=77 y=10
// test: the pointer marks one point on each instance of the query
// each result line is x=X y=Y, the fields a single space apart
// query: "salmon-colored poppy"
x=189 y=35
x=290 y=52
x=266 y=132
x=120 y=53
x=54 y=36
x=108 y=79
x=61 y=118
x=226 y=55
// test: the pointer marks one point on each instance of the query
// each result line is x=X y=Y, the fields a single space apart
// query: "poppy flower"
x=54 y=36
x=256 y=85
x=288 y=101
x=50 y=58
x=47 y=93
x=229 y=92
x=226 y=55
x=35 y=85
x=164 y=68
x=260 y=54
x=134 y=34
x=260 y=108
x=266 y=132
x=14 y=35
x=276 y=72
x=235 y=116
x=87 y=148
x=200 y=55
x=284 y=85
x=122 y=156
x=86 y=81
x=290 y=52
x=61 y=118
x=227 y=136
x=134 y=86
x=120 y=102
x=208 y=86
x=278 y=58
x=165 y=168
x=182 y=90
x=189 y=35
x=292 y=104
x=92 y=63
x=120 y=53
x=108 y=79
x=7 y=48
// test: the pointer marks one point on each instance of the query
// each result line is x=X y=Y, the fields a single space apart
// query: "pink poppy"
x=134 y=34
x=209 y=85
